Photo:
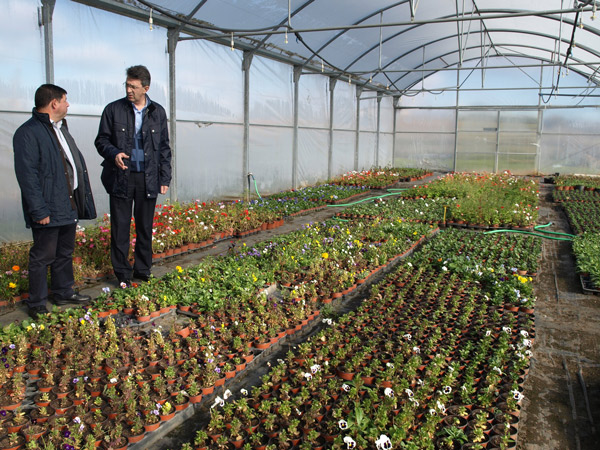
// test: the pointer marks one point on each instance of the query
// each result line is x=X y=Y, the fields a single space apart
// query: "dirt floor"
x=562 y=393
x=561 y=409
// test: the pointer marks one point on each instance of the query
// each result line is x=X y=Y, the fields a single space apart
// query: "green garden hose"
x=536 y=228
x=369 y=198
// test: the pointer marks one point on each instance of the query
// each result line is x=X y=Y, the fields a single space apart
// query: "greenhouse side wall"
x=89 y=62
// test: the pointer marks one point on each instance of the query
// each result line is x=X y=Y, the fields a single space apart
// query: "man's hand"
x=44 y=221
x=164 y=189
x=119 y=160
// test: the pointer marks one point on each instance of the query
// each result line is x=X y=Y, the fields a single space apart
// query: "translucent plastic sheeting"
x=519 y=121
x=270 y=159
x=476 y=142
x=343 y=152
x=92 y=49
x=21 y=53
x=386 y=119
x=209 y=161
x=386 y=143
x=570 y=153
x=313 y=101
x=434 y=120
x=477 y=121
x=312 y=156
x=426 y=150
x=344 y=101
x=368 y=112
x=568 y=121
x=475 y=162
x=517 y=164
x=271 y=92
x=209 y=82
x=12 y=223
x=367 y=150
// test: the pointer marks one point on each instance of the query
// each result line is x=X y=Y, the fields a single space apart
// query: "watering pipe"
x=255 y=186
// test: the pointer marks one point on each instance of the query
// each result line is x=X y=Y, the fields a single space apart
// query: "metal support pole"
x=456 y=120
x=46 y=22
x=497 y=143
x=357 y=139
x=396 y=100
x=297 y=73
x=540 y=126
x=172 y=37
x=379 y=97
x=246 y=63
x=332 y=82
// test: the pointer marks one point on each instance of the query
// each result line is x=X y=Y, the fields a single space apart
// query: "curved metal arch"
x=485 y=31
x=491 y=31
x=264 y=40
x=516 y=55
x=359 y=21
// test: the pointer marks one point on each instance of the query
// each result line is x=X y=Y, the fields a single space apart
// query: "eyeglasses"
x=131 y=86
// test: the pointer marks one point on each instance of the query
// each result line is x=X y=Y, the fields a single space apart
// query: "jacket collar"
x=45 y=118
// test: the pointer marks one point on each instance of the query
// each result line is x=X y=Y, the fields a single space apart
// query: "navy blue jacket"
x=40 y=171
x=116 y=134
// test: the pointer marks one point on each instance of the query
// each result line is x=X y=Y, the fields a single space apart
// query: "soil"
x=561 y=409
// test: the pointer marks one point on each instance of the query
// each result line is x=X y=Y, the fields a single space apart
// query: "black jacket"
x=40 y=171
x=116 y=134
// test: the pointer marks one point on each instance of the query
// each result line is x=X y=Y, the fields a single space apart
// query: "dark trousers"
x=120 y=222
x=52 y=246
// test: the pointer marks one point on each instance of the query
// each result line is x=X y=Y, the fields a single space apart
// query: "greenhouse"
x=355 y=224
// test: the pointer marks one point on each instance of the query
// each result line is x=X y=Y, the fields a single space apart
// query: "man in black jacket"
x=55 y=192
x=133 y=139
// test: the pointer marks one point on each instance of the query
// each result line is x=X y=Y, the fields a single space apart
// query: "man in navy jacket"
x=133 y=139
x=55 y=193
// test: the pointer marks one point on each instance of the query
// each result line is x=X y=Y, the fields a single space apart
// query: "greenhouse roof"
x=390 y=46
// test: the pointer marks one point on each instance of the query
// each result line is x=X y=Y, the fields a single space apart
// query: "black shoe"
x=141 y=276
x=75 y=298
x=35 y=312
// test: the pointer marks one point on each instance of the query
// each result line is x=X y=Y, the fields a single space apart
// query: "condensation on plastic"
x=209 y=84
x=368 y=112
x=22 y=55
x=92 y=50
x=209 y=161
x=313 y=146
x=366 y=150
x=343 y=151
x=270 y=163
x=426 y=150
x=344 y=106
x=271 y=92
x=313 y=101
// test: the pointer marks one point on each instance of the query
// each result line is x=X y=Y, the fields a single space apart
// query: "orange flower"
x=16 y=268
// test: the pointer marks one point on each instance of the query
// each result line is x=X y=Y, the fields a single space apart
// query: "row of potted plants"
x=579 y=182
x=428 y=360
x=380 y=178
x=330 y=244
x=498 y=200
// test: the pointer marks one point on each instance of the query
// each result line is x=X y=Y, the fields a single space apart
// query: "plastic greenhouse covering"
x=299 y=91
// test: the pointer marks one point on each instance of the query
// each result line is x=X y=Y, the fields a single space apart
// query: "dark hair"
x=46 y=93
x=139 y=73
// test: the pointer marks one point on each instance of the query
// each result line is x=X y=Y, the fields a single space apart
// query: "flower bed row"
x=580 y=182
x=583 y=214
x=489 y=199
x=178 y=228
x=380 y=178
x=493 y=201
x=126 y=357
x=428 y=360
